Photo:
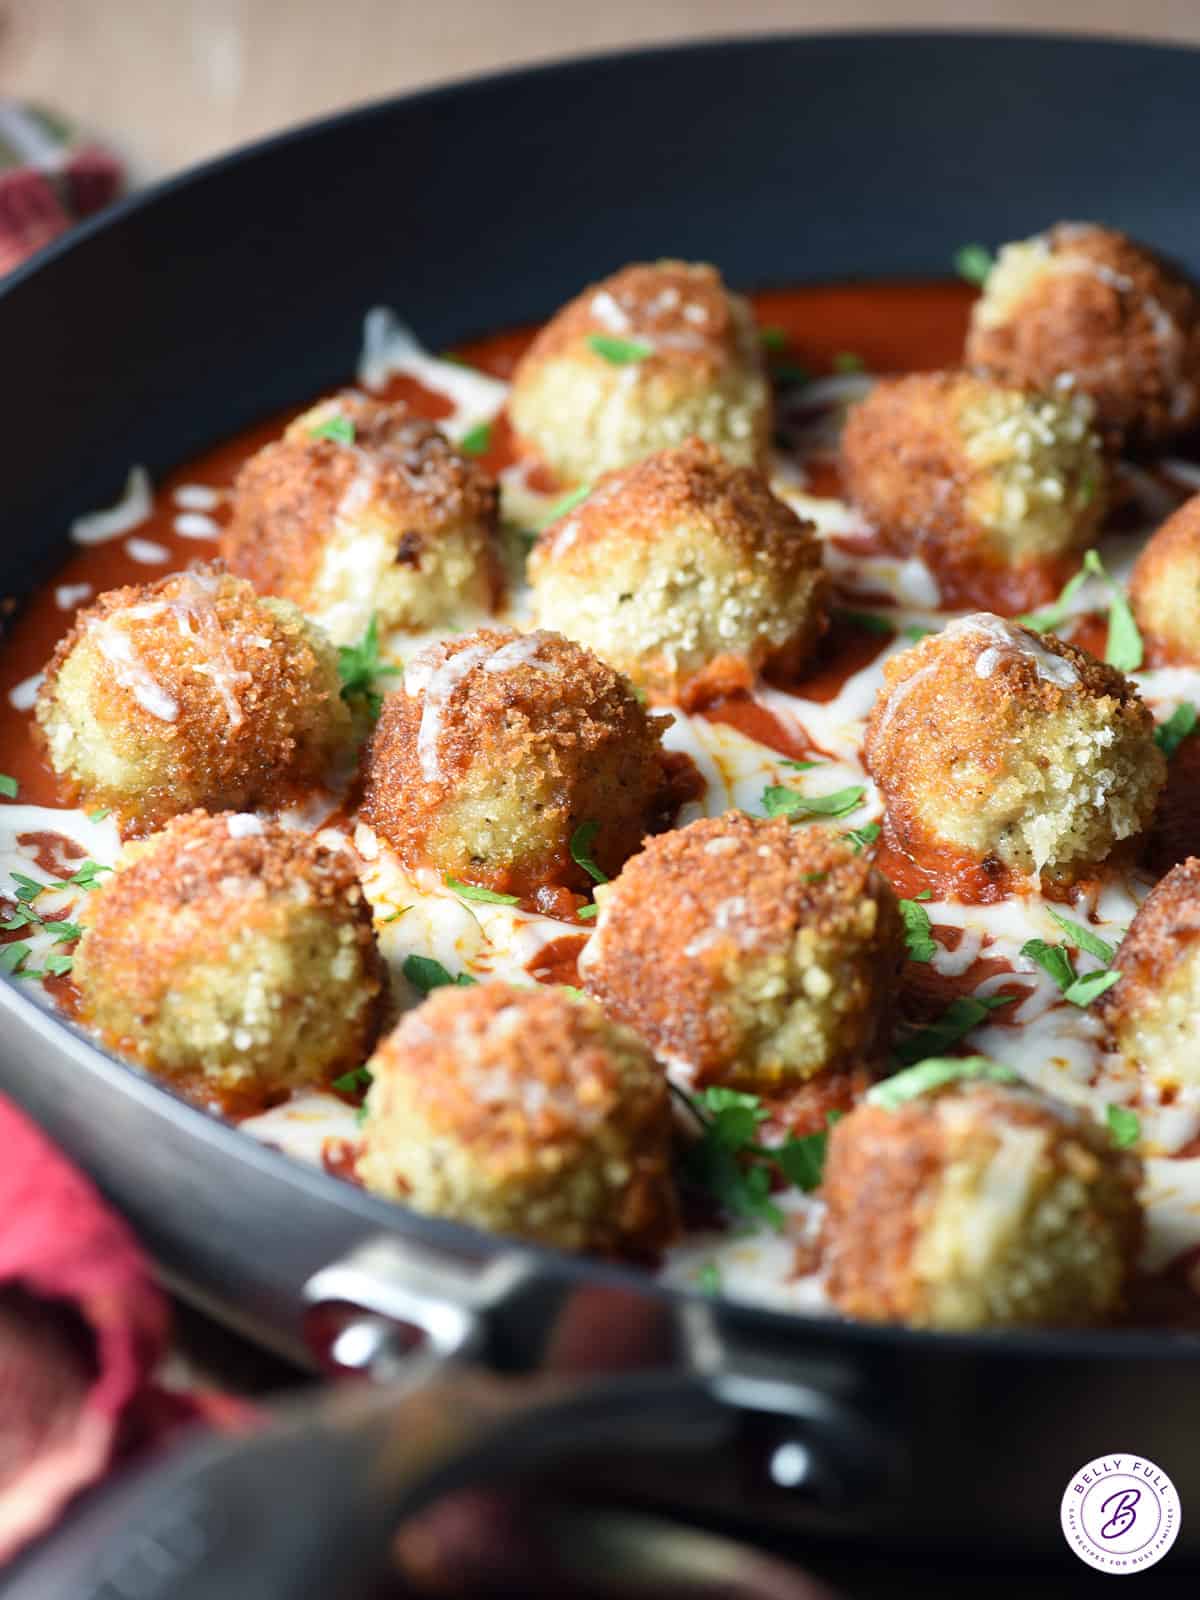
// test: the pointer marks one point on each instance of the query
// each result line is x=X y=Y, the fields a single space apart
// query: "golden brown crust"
x=737 y=889
x=254 y=690
x=906 y=464
x=565 y=722
x=680 y=307
x=287 y=495
x=1160 y=937
x=527 y=1084
x=1164 y=589
x=1125 y=324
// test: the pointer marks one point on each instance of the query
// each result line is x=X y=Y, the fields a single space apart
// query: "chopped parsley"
x=339 y=429
x=359 y=665
x=773 y=338
x=1090 y=987
x=12 y=955
x=847 y=361
x=1052 y=958
x=973 y=262
x=63 y=932
x=1083 y=938
x=99 y=816
x=868 y=621
x=1124 y=1127
x=56 y=966
x=1124 y=648
x=916 y=632
x=568 y=503
x=477 y=440
x=395 y=915
x=708 y=1279
x=8 y=786
x=934 y=1073
x=859 y=838
x=472 y=891
x=779 y=801
x=918 y=931
x=955 y=1023
x=581 y=850
x=86 y=876
x=426 y=974
x=621 y=352
x=728 y=1162
x=799 y=766
x=1055 y=959
x=790 y=373
x=1171 y=734
x=356 y=1082
x=586 y=913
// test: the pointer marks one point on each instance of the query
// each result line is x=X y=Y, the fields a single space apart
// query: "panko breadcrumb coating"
x=697 y=368
x=1151 y=1012
x=383 y=517
x=757 y=953
x=1164 y=589
x=686 y=573
x=498 y=747
x=978 y=1206
x=993 y=487
x=1011 y=750
x=191 y=691
x=523 y=1111
x=232 y=955
x=1087 y=309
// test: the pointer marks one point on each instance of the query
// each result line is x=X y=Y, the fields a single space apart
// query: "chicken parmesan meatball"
x=994 y=488
x=652 y=355
x=686 y=573
x=523 y=1111
x=231 y=956
x=1164 y=589
x=1085 y=309
x=1150 y=1013
x=188 y=692
x=498 y=748
x=756 y=953
x=1010 y=754
x=978 y=1205
x=365 y=510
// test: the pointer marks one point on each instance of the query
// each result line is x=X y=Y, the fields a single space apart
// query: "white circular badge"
x=1120 y=1513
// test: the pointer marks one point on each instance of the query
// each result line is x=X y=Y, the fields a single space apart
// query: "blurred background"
x=169 y=82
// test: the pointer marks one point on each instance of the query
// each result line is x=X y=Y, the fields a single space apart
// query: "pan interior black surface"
x=204 y=305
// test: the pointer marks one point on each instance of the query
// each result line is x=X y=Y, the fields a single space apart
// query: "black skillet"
x=194 y=310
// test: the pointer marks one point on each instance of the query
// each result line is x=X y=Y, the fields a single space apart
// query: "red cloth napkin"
x=50 y=177
x=83 y=1327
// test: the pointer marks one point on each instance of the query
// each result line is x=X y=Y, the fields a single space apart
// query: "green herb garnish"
x=8 y=786
x=339 y=429
x=773 y=338
x=1171 y=734
x=959 y=1018
x=472 y=891
x=1124 y=648
x=86 y=876
x=973 y=262
x=586 y=913
x=708 y=1279
x=859 y=838
x=934 y=1073
x=868 y=621
x=426 y=974
x=916 y=632
x=918 y=934
x=12 y=955
x=621 y=352
x=790 y=373
x=359 y=665
x=581 y=850
x=799 y=766
x=356 y=1082
x=1090 y=987
x=1052 y=958
x=847 y=361
x=779 y=801
x=567 y=503
x=1055 y=959
x=1083 y=938
x=99 y=816
x=477 y=440
x=63 y=932
x=1124 y=1126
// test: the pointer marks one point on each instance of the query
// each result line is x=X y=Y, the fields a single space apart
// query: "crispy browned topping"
x=257 y=707
x=691 y=483
x=1164 y=573
x=565 y=718
x=287 y=496
x=734 y=889
x=1128 y=331
x=1161 y=935
x=681 y=308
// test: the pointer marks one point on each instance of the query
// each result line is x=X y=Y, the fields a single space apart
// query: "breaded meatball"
x=1151 y=1012
x=638 y=363
x=523 y=1111
x=1164 y=589
x=363 y=509
x=232 y=956
x=187 y=692
x=994 y=488
x=978 y=1206
x=1011 y=751
x=686 y=573
x=1086 y=309
x=757 y=953
x=498 y=748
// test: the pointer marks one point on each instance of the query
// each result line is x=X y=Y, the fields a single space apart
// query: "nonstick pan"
x=209 y=302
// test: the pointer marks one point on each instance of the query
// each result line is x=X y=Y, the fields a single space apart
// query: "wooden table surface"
x=173 y=81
